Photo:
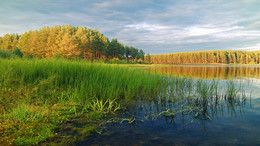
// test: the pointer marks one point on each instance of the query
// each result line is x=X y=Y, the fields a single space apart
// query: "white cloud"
x=200 y=31
x=145 y=26
x=255 y=47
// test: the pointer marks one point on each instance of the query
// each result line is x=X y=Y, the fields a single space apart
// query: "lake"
x=169 y=120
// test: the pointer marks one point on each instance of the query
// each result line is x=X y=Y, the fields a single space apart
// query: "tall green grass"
x=83 y=79
x=78 y=87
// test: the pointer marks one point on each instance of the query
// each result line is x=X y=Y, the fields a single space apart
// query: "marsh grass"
x=191 y=99
x=202 y=99
x=87 y=79
x=53 y=91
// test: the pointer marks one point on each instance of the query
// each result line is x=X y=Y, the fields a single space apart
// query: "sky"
x=156 y=26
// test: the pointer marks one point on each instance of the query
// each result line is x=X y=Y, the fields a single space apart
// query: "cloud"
x=145 y=26
x=152 y=25
x=255 y=47
x=200 y=31
x=254 y=25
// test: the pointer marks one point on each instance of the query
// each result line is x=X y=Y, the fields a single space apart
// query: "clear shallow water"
x=236 y=128
x=230 y=123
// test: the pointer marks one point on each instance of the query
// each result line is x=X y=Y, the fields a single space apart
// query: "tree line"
x=206 y=57
x=69 y=42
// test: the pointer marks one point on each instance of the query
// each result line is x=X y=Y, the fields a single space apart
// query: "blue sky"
x=156 y=26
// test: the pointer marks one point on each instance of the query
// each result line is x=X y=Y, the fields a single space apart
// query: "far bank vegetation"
x=206 y=57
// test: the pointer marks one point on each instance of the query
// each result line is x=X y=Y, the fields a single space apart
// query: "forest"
x=76 y=42
x=207 y=57
x=69 y=42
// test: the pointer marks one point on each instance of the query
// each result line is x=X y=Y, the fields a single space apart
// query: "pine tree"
x=15 y=41
x=127 y=52
x=133 y=52
x=1 y=42
x=7 y=43
x=81 y=33
x=52 y=44
x=141 y=54
x=148 y=58
x=67 y=41
x=68 y=47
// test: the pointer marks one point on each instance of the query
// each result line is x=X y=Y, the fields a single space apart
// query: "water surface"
x=220 y=123
x=210 y=71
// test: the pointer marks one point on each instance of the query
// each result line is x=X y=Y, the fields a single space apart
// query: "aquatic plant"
x=107 y=106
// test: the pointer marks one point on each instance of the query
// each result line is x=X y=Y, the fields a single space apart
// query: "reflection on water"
x=239 y=127
x=209 y=72
x=180 y=117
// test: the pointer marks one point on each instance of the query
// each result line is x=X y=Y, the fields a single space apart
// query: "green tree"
x=18 y=53
x=113 y=48
x=127 y=52
x=121 y=50
x=97 y=46
x=134 y=52
x=141 y=54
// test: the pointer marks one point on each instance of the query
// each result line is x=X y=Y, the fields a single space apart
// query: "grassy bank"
x=37 y=95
